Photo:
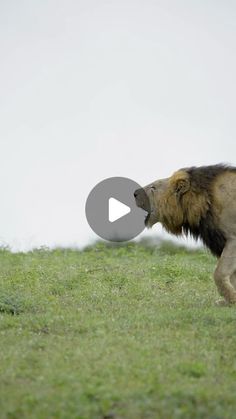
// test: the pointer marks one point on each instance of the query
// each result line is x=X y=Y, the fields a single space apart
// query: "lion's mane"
x=194 y=212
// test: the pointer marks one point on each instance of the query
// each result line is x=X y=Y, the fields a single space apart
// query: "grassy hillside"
x=114 y=332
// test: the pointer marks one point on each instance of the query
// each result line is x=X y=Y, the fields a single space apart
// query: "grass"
x=114 y=332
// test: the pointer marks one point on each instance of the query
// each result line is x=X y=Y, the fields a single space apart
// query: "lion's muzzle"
x=142 y=200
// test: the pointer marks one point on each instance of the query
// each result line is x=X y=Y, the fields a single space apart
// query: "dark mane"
x=201 y=179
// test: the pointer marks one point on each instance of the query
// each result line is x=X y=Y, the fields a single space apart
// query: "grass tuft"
x=11 y=304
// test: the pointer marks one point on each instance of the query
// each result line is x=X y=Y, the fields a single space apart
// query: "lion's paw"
x=221 y=302
x=224 y=303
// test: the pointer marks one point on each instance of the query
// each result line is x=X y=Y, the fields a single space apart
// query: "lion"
x=201 y=202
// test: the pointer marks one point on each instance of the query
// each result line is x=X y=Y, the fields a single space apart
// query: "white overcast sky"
x=96 y=88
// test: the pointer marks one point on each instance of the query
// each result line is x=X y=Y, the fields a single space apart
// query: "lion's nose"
x=136 y=193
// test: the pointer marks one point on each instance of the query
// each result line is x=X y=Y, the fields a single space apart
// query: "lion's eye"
x=153 y=188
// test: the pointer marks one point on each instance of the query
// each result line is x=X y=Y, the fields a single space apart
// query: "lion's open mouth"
x=143 y=202
x=147 y=212
x=147 y=218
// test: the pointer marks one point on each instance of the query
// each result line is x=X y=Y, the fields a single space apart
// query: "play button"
x=117 y=210
x=111 y=210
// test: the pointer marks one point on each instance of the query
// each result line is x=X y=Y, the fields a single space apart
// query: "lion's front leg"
x=225 y=271
x=233 y=280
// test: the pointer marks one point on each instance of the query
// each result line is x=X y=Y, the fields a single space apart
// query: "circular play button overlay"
x=111 y=210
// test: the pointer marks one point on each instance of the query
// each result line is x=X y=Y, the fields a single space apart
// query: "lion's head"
x=199 y=201
x=174 y=202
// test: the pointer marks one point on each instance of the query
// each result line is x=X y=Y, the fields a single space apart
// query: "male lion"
x=200 y=201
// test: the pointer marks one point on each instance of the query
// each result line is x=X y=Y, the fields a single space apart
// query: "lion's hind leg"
x=225 y=271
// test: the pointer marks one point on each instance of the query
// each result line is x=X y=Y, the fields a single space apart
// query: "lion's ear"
x=182 y=186
x=180 y=183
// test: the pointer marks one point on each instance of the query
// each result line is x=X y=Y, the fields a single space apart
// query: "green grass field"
x=115 y=332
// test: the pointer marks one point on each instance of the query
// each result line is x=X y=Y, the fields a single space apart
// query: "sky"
x=92 y=89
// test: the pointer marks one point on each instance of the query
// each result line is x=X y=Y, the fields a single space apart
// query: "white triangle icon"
x=116 y=209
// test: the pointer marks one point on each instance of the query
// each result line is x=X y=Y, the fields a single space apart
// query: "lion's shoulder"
x=204 y=177
x=216 y=185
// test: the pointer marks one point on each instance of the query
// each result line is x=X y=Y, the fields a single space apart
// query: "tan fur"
x=224 y=193
x=171 y=214
x=180 y=200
